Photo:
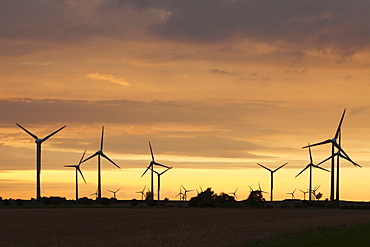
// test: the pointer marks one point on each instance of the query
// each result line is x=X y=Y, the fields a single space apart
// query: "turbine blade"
x=78 y=169
x=264 y=167
x=147 y=170
x=92 y=156
x=166 y=170
x=325 y=160
x=280 y=167
x=102 y=138
x=158 y=164
x=320 y=168
x=340 y=125
x=111 y=161
x=82 y=157
x=70 y=166
x=348 y=159
x=319 y=143
x=303 y=170
x=34 y=136
x=151 y=151
x=54 y=133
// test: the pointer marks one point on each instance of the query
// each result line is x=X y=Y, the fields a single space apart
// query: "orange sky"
x=216 y=86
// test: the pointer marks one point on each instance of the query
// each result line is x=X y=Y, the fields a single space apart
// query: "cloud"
x=218 y=71
x=107 y=77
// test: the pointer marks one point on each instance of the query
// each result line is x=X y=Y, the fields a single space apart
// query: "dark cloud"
x=122 y=111
x=339 y=26
x=334 y=25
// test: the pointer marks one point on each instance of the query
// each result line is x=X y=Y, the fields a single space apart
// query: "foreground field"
x=163 y=227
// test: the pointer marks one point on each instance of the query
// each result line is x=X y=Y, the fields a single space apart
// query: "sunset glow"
x=216 y=86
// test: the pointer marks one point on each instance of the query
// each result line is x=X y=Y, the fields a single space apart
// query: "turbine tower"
x=38 y=142
x=78 y=170
x=335 y=144
x=272 y=176
x=100 y=153
x=310 y=165
x=159 y=181
x=151 y=164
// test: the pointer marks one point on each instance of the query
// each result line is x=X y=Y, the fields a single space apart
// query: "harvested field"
x=162 y=226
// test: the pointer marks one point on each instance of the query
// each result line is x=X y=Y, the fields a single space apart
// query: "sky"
x=216 y=86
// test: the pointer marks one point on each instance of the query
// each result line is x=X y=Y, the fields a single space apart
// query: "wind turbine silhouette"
x=292 y=193
x=142 y=192
x=100 y=153
x=78 y=170
x=310 y=165
x=334 y=145
x=159 y=181
x=151 y=164
x=234 y=193
x=272 y=176
x=114 y=193
x=304 y=194
x=38 y=142
x=181 y=195
x=185 y=192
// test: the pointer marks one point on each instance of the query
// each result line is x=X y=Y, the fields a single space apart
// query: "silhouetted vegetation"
x=209 y=198
x=85 y=200
x=53 y=200
x=255 y=198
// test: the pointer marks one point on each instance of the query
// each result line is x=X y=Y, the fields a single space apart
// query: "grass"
x=357 y=235
x=106 y=227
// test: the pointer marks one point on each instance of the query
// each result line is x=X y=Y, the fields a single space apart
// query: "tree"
x=209 y=198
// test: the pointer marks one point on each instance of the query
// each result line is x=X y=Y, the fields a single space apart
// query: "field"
x=163 y=226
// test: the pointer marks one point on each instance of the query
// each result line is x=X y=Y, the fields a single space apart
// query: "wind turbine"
x=159 y=180
x=304 y=194
x=310 y=165
x=100 y=153
x=292 y=193
x=78 y=170
x=142 y=192
x=38 y=142
x=272 y=176
x=114 y=193
x=185 y=192
x=180 y=194
x=151 y=164
x=96 y=194
x=234 y=193
x=334 y=145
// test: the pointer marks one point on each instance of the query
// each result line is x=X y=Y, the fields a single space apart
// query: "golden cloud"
x=107 y=77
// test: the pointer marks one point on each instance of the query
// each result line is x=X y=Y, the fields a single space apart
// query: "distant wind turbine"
x=181 y=194
x=272 y=176
x=142 y=192
x=38 y=156
x=151 y=164
x=78 y=170
x=310 y=165
x=234 y=193
x=100 y=153
x=159 y=174
x=185 y=192
x=304 y=194
x=114 y=193
x=292 y=193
